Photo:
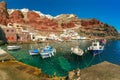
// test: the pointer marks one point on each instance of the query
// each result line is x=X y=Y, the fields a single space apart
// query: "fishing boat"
x=76 y=50
x=47 y=51
x=34 y=52
x=96 y=48
x=14 y=47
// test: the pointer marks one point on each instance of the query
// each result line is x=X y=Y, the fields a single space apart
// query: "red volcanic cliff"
x=3 y=13
x=32 y=16
x=90 y=22
x=87 y=27
x=41 y=23
x=16 y=17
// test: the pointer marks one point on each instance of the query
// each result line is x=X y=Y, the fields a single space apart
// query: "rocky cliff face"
x=93 y=27
x=68 y=21
x=41 y=22
x=16 y=17
x=3 y=13
x=87 y=27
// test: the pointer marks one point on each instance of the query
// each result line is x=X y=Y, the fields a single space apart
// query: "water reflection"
x=64 y=61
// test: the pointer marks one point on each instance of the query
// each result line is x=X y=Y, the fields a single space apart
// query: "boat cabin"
x=95 y=45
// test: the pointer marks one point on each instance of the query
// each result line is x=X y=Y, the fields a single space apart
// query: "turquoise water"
x=64 y=61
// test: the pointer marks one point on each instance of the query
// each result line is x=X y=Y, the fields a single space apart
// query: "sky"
x=107 y=11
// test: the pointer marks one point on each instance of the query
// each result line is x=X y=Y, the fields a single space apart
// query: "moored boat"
x=103 y=41
x=48 y=51
x=34 y=52
x=14 y=47
x=76 y=50
x=96 y=48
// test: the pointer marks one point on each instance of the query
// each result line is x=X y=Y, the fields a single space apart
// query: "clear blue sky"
x=107 y=11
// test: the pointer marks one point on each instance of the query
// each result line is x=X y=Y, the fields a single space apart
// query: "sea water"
x=64 y=61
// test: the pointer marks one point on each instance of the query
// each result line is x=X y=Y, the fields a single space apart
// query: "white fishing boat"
x=82 y=37
x=76 y=50
x=34 y=52
x=96 y=48
x=47 y=51
x=14 y=47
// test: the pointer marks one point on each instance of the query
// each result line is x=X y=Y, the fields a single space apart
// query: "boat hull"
x=32 y=52
x=95 y=52
x=12 y=48
x=77 y=51
x=47 y=52
x=46 y=55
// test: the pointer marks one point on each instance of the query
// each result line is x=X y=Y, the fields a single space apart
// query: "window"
x=95 y=44
x=12 y=30
x=33 y=37
x=11 y=24
x=7 y=30
x=17 y=25
x=100 y=47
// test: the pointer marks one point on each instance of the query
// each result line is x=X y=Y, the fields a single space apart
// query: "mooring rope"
x=84 y=61
x=91 y=61
x=100 y=58
x=77 y=62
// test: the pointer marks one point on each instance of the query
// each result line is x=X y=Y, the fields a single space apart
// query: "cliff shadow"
x=3 y=39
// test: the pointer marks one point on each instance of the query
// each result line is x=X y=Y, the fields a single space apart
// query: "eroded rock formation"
x=3 y=13
x=87 y=27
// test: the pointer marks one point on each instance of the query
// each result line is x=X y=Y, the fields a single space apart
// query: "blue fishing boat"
x=96 y=48
x=34 y=52
x=47 y=51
